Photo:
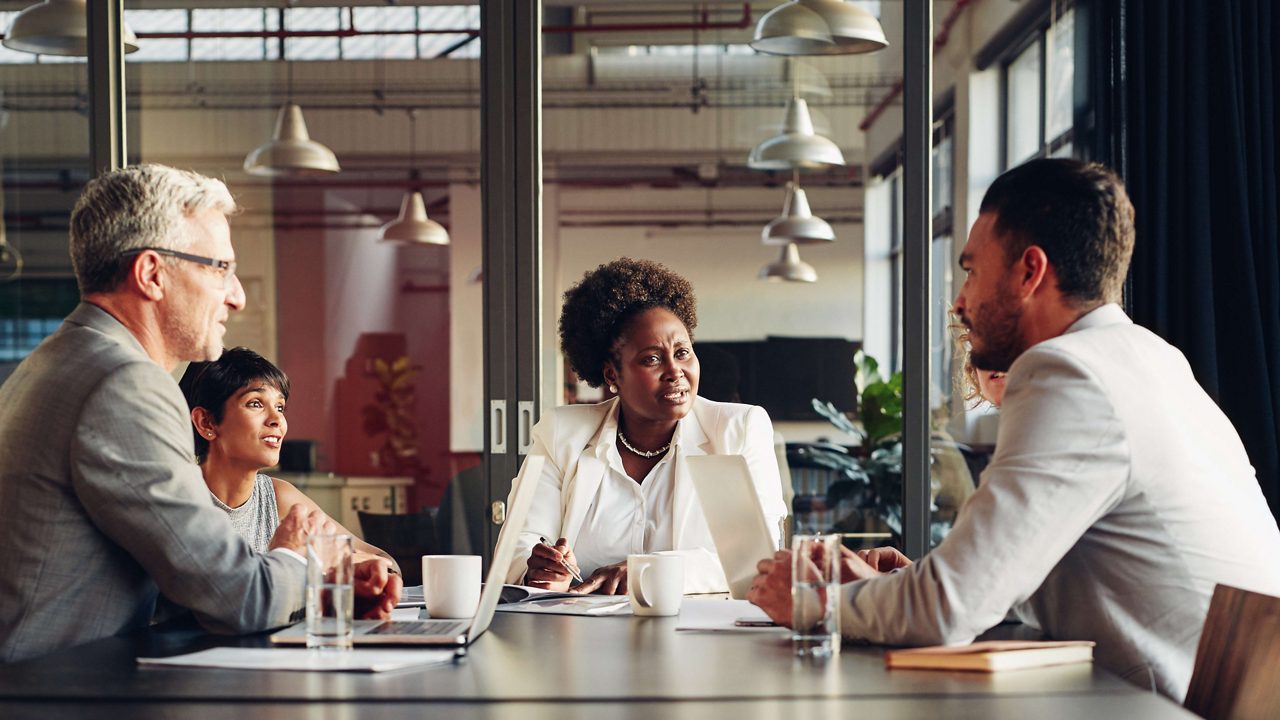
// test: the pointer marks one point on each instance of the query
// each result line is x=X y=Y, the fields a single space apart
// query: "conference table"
x=534 y=666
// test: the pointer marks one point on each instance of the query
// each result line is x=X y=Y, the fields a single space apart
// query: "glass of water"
x=815 y=594
x=330 y=594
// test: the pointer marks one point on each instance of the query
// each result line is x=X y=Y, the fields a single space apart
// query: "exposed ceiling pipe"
x=844 y=178
x=939 y=42
x=704 y=24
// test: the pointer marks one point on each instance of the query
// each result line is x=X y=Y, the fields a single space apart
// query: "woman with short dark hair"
x=238 y=420
x=615 y=483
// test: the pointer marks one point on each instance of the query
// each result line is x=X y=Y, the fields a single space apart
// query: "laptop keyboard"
x=415 y=627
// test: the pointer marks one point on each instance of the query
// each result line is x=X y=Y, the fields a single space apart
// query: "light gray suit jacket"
x=102 y=503
x=1118 y=496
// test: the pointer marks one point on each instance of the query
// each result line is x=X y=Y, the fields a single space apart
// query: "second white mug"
x=451 y=585
x=655 y=583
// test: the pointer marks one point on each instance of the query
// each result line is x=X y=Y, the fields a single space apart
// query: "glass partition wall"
x=349 y=135
x=634 y=136
x=44 y=161
x=668 y=137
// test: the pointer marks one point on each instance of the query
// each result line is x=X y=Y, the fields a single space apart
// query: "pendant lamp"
x=797 y=224
x=797 y=147
x=818 y=27
x=291 y=152
x=789 y=268
x=56 y=27
x=413 y=225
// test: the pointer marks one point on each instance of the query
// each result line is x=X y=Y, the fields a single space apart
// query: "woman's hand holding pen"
x=549 y=566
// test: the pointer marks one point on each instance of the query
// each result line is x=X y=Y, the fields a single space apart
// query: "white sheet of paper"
x=591 y=605
x=719 y=615
x=236 y=658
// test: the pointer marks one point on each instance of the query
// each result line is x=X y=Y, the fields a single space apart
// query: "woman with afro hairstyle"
x=615 y=480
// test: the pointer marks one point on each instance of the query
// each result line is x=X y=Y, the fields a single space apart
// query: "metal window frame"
x=511 y=198
x=107 y=148
x=917 y=248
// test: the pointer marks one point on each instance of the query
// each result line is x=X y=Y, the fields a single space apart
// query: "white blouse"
x=585 y=495
x=627 y=517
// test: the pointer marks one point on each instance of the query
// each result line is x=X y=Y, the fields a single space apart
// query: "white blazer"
x=571 y=479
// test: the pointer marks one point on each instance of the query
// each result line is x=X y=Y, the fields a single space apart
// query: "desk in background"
x=343 y=497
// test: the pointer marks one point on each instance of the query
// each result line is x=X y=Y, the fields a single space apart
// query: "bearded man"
x=1119 y=493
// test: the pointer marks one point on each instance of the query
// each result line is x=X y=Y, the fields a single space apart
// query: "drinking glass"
x=330 y=593
x=815 y=595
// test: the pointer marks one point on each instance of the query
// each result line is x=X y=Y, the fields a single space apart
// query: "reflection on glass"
x=1061 y=75
x=44 y=151
x=1022 y=120
x=942 y=158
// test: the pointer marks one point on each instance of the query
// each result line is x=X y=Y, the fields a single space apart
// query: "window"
x=30 y=310
x=942 y=290
x=1039 y=80
x=203 y=34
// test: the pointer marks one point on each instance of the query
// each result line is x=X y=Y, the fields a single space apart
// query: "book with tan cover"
x=992 y=655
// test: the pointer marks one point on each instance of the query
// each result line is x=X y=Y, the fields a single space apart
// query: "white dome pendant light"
x=413 y=225
x=57 y=27
x=291 y=152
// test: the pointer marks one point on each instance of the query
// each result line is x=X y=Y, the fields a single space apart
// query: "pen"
x=563 y=563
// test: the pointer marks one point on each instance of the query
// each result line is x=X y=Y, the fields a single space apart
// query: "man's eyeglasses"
x=226 y=269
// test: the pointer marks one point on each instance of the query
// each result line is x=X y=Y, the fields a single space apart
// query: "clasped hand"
x=377 y=589
x=771 y=587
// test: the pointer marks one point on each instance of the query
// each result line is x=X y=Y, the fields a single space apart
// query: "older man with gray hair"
x=103 y=506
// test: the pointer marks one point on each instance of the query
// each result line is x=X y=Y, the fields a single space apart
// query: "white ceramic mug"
x=655 y=583
x=451 y=585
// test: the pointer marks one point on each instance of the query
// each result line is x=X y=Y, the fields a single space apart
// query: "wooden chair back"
x=1237 y=670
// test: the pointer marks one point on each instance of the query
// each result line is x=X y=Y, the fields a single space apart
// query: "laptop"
x=453 y=633
x=732 y=508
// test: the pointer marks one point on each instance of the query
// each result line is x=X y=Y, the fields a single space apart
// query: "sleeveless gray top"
x=257 y=519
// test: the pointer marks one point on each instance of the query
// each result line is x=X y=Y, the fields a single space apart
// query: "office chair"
x=406 y=537
x=1235 y=671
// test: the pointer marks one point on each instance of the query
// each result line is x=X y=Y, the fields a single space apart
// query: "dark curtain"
x=1196 y=107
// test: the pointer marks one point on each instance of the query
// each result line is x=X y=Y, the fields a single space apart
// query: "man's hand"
x=870 y=563
x=377 y=589
x=771 y=588
x=607 y=580
x=885 y=559
x=546 y=570
x=297 y=525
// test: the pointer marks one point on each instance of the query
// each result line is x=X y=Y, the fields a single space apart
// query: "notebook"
x=732 y=508
x=458 y=633
x=992 y=655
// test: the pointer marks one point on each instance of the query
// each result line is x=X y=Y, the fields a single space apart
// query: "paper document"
x=236 y=658
x=570 y=604
x=700 y=614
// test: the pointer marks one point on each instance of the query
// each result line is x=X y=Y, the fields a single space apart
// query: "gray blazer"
x=102 y=504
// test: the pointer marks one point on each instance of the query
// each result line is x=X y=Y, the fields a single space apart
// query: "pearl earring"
x=613 y=389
